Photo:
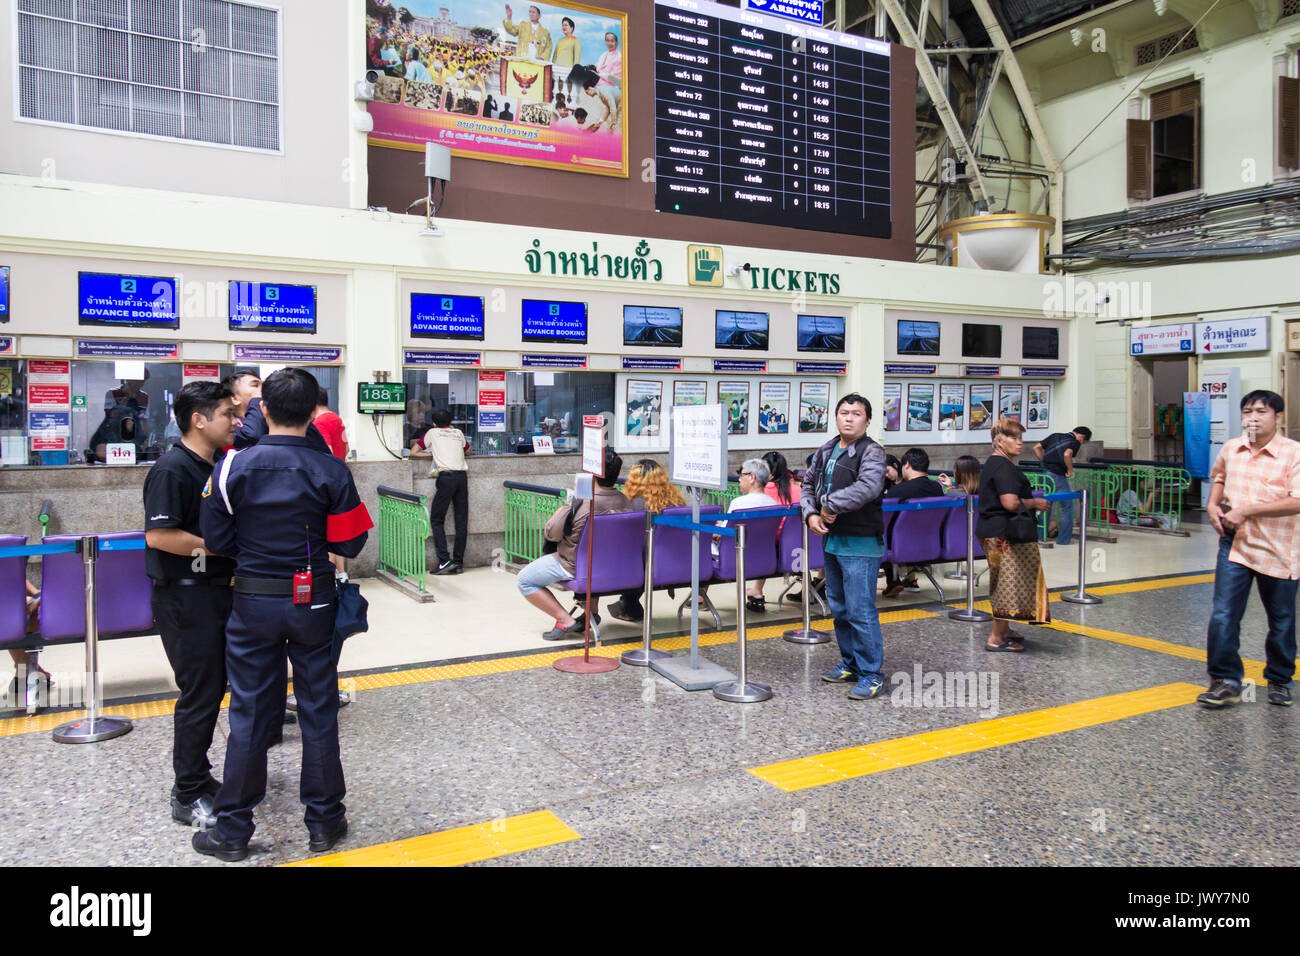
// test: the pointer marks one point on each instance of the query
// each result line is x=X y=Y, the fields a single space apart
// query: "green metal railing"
x=1097 y=480
x=1149 y=497
x=724 y=498
x=403 y=531
x=528 y=508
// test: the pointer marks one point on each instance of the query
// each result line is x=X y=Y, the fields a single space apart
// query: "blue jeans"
x=851 y=594
x=1223 y=641
x=1066 y=528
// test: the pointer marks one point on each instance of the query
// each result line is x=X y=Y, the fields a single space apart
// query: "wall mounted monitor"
x=436 y=316
x=652 y=325
x=820 y=333
x=545 y=320
x=121 y=301
x=757 y=121
x=918 y=338
x=272 y=307
x=4 y=293
x=981 y=341
x=741 y=330
x=1040 y=343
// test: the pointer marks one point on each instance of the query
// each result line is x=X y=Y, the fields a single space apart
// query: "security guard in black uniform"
x=279 y=508
x=191 y=589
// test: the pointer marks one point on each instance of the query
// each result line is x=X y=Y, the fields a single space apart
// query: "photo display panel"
x=748 y=128
x=446 y=316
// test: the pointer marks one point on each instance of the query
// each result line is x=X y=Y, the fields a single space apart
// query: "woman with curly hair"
x=649 y=489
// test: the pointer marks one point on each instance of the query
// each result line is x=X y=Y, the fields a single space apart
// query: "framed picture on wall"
x=1010 y=398
x=690 y=393
x=734 y=399
x=920 y=406
x=1039 y=412
x=774 y=408
x=952 y=402
x=644 y=400
x=981 y=408
x=893 y=393
x=814 y=403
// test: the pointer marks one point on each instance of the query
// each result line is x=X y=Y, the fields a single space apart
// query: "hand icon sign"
x=706 y=267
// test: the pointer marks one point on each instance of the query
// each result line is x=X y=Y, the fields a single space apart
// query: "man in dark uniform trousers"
x=280 y=508
x=191 y=589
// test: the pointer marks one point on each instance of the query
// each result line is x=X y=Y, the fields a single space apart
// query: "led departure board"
x=762 y=120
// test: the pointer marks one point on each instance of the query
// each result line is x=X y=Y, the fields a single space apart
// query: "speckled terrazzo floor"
x=648 y=774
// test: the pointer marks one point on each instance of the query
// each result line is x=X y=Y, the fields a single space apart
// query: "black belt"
x=282 y=587
x=193 y=583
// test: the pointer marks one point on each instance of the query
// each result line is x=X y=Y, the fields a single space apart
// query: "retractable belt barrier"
x=93 y=727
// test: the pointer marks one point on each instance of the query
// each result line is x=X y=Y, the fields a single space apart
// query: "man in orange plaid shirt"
x=1255 y=506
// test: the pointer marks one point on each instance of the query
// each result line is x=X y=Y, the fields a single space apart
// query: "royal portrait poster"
x=532 y=84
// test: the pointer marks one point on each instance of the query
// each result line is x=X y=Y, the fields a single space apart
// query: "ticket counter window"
x=327 y=376
x=537 y=403
x=124 y=405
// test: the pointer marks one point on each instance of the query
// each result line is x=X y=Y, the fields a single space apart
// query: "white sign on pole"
x=697 y=452
x=593 y=450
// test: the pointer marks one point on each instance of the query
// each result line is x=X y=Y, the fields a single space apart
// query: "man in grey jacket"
x=841 y=500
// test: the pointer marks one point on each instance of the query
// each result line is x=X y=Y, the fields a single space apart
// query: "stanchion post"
x=1082 y=596
x=968 y=613
x=586 y=664
x=643 y=655
x=805 y=634
x=740 y=691
x=92 y=727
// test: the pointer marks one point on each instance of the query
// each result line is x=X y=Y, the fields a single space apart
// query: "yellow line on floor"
x=1254 y=669
x=484 y=841
x=1105 y=590
x=423 y=675
x=854 y=762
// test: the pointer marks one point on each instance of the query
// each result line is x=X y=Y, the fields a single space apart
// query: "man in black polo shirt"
x=191 y=594
x=1057 y=452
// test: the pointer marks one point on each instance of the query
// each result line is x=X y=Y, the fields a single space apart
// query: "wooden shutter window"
x=1139 y=159
x=1180 y=99
x=1288 y=122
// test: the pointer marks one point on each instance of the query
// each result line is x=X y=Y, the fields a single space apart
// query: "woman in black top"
x=1017 y=589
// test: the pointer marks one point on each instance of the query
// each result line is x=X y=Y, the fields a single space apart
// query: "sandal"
x=756 y=604
x=1006 y=647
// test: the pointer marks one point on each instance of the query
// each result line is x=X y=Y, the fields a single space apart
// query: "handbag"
x=351 y=615
x=549 y=546
x=1021 y=526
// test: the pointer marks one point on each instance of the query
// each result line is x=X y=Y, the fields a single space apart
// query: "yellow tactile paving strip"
x=423 y=675
x=1105 y=590
x=484 y=841
x=854 y=762
x=1254 y=669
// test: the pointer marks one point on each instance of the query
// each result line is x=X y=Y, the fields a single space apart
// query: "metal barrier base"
x=578 y=665
x=641 y=657
x=797 y=635
x=678 y=670
x=85 y=731
x=971 y=617
x=1081 y=599
x=733 y=692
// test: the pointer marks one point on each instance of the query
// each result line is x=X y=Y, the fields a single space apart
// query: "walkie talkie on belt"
x=302 y=580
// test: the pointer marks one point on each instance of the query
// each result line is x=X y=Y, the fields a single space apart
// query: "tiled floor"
x=644 y=772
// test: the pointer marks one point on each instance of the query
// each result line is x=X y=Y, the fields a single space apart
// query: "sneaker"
x=1279 y=694
x=912 y=587
x=558 y=633
x=867 y=688
x=840 y=675
x=1221 y=693
x=198 y=811
x=449 y=567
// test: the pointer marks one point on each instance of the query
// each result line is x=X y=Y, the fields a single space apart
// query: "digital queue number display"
x=446 y=316
x=750 y=127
